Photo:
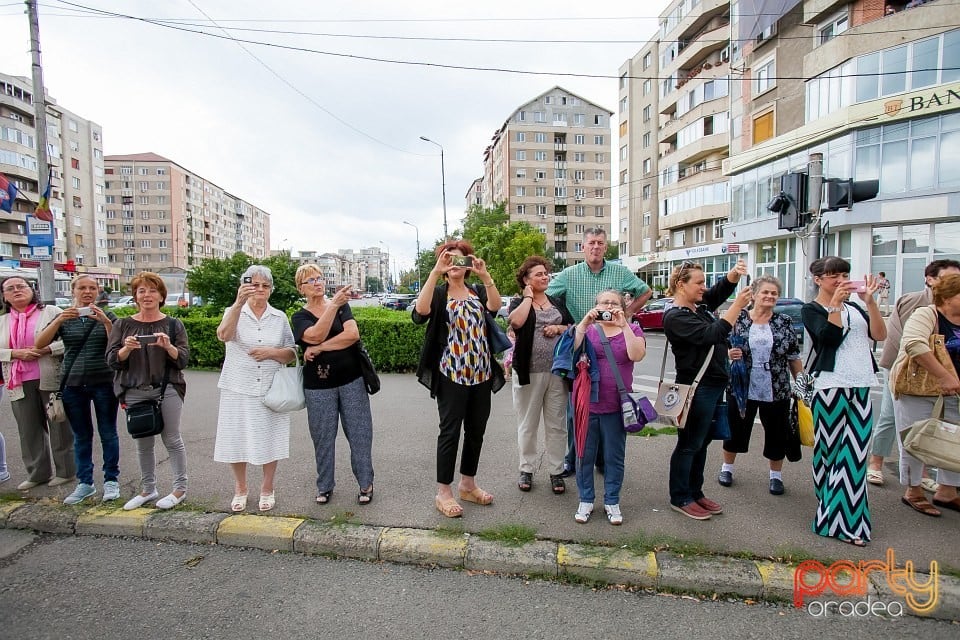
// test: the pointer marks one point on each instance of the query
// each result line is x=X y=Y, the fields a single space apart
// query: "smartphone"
x=860 y=286
x=84 y=311
x=247 y=279
x=462 y=261
x=148 y=339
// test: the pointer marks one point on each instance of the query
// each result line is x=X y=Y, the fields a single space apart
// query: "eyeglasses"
x=15 y=287
x=311 y=281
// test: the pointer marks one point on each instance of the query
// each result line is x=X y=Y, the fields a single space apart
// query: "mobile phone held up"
x=860 y=286
x=84 y=311
x=147 y=339
x=247 y=280
x=461 y=261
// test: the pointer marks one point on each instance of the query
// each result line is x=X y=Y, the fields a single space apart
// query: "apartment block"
x=874 y=88
x=161 y=217
x=75 y=156
x=348 y=266
x=550 y=165
x=474 y=195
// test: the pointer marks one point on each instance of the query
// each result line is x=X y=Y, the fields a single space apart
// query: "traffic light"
x=791 y=204
x=843 y=193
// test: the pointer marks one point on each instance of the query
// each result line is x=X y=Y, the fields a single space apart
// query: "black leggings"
x=775 y=418
x=461 y=405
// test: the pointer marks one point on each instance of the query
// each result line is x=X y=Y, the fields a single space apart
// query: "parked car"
x=505 y=306
x=63 y=303
x=124 y=301
x=791 y=307
x=398 y=302
x=651 y=315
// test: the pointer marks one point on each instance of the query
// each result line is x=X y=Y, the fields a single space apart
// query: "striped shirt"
x=84 y=361
x=578 y=286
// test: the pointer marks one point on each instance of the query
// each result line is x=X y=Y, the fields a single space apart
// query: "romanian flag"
x=43 y=207
x=8 y=193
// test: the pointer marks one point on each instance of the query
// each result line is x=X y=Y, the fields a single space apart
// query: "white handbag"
x=286 y=390
x=674 y=400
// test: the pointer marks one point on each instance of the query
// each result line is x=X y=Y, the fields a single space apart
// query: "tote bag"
x=286 y=390
x=934 y=441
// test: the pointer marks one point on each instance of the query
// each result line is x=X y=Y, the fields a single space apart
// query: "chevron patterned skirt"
x=843 y=420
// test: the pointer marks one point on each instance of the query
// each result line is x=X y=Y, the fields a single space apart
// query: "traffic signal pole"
x=813 y=239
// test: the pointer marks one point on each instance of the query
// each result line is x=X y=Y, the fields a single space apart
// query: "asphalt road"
x=405 y=426
x=111 y=588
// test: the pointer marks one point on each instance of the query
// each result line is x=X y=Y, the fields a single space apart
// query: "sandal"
x=921 y=505
x=525 y=483
x=476 y=496
x=875 y=476
x=448 y=507
x=239 y=503
x=324 y=498
x=365 y=496
x=856 y=542
x=557 y=484
x=267 y=501
x=948 y=504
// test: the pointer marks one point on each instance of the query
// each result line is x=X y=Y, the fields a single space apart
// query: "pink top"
x=23 y=337
x=609 y=399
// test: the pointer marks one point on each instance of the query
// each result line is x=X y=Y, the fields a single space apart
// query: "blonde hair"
x=947 y=287
x=303 y=271
x=680 y=275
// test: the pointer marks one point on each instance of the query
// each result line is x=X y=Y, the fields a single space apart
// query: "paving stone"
x=606 y=564
x=421 y=546
x=43 y=517
x=346 y=540
x=112 y=521
x=184 y=526
x=536 y=558
x=261 y=532
x=710 y=574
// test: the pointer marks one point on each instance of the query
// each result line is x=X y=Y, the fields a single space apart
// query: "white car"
x=125 y=301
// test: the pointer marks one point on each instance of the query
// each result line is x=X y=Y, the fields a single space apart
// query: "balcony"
x=702 y=148
x=705 y=46
x=697 y=214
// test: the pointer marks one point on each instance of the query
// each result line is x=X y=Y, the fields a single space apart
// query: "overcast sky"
x=329 y=145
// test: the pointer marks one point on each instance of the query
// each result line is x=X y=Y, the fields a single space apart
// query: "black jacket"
x=826 y=337
x=428 y=370
x=691 y=334
x=523 y=348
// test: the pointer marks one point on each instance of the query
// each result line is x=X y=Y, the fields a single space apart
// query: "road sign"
x=39 y=232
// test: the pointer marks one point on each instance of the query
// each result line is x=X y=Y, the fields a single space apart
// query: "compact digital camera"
x=605 y=315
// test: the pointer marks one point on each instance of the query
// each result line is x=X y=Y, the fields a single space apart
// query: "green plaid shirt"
x=578 y=286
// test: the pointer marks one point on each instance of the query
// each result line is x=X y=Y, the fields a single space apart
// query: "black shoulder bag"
x=145 y=418
x=54 y=408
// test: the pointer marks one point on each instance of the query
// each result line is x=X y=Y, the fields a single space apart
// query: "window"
x=541 y=192
x=599 y=157
x=623 y=153
x=700 y=234
x=646 y=218
x=542 y=210
x=162 y=244
x=623 y=81
x=718 y=228
x=111 y=214
x=161 y=199
x=837 y=25
x=647 y=165
x=623 y=177
x=548 y=100
x=579 y=193
x=521 y=154
x=598 y=175
x=598 y=120
x=646 y=140
x=679 y=238
x=623 y=104
x=646 y=86
x=521 y=173
x=579 y=156
x=144 y=199
x=598 y=193
x=765 y=76
x=646 y=192
x=521 y=209
x=162 y=229
x=560 y=192
x=74 y=163
x=75 y=182
x=72 y=125
x=126 y=170
x=646 y=113
x=578 y=175
x=578 y=119
x=541 y=175
x=559 y=117
x=579 y=139
x=539 y=116
x=144 y=186
x=521 y=116
x=144 y=228
x=521 y=191
x=763 y=127
x=579 y=210
x=161 y=171
x=598 y=212
x=521 y=136
x=540 y=156
x=540 y=136
x=598 y=140
x=647 y=57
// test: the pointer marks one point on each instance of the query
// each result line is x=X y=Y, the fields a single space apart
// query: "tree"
x=613 y=251
x=374 y=285
x=216 y=280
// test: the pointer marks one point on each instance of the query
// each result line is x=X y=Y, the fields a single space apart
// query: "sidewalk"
x=739 y=552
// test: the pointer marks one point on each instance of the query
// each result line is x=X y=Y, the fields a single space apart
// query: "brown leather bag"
x=914 y=380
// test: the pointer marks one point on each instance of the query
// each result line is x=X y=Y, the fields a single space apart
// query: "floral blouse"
x=785 y=348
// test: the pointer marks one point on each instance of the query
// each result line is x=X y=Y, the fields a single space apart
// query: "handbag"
x=914 y=380
x=286 y=390
x=673 y=399
x=55 y=410
x=634 y=407
x=934 y=441
x=804 y=423
x=145 y=418
x=720 y=425
x=370 y=378
x=499 y=342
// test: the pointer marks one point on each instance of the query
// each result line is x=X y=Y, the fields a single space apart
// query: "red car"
x=651 y=315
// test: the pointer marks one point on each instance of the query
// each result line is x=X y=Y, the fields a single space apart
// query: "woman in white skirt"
x=258 y=343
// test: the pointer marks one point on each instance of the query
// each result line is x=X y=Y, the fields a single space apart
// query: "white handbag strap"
x=703 y=369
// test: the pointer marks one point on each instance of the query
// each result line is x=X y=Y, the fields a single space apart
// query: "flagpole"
x=47 y=289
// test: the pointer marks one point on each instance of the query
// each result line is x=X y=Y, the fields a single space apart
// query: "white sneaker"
x=81 y=493
x=584 y=510
x=613 y=514
x=4 y=476
x=170 y=501
x=138 y=501
x=111 y=490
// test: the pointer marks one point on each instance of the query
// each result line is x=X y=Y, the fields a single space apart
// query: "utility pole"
x=47 y=290
x=814 y=196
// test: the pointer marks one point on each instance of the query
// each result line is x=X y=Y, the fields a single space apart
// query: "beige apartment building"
x=162 y=217
x=75 y=156
x=550 y=165
x=875 y=88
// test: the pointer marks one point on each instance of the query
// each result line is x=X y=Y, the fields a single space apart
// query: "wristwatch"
x=833 y=309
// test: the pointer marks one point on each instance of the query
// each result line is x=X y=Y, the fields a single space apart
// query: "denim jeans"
x=570 y=460
x=604 y=430
x=690 y=454
x=76 y=403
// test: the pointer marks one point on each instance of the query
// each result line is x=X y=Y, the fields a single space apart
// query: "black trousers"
x=458 y=405
x=775 y=418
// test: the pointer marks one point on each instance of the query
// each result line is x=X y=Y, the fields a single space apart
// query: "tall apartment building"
x=162 y=217
x=348 y=266
x=550 y=165
x=474 y=195
x=875 y=88
x=75 y=156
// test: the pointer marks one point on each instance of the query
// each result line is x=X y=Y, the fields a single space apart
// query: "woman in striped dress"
x=259 y=342
x=842 y=334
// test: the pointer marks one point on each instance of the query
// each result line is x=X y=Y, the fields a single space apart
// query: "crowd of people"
x=572 y=361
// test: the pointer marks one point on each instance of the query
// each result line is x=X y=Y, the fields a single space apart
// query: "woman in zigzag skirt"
x=842 y=333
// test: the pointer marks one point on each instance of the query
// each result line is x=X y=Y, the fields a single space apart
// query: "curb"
x=705 y=576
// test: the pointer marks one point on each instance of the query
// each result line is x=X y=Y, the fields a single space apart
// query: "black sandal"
x=365 y=496
x=557 y=484
x=525 y=483
x=324 y=497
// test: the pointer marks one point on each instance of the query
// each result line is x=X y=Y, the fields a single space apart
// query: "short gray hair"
x=595 y=231
x=258 y=270
x=759 y=281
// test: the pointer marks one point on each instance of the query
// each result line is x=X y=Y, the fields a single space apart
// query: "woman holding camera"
x=148 y=352
x=258 y=342
x=458 y=366
x=31 y=375
x=86 y=380
x=605 y=424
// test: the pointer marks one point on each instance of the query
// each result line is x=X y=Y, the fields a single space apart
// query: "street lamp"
x=443 y=185
x=417 y=261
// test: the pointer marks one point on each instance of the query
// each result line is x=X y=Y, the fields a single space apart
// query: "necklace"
x=539 y=306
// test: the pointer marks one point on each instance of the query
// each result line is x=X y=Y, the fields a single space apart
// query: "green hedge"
x=390 y=336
